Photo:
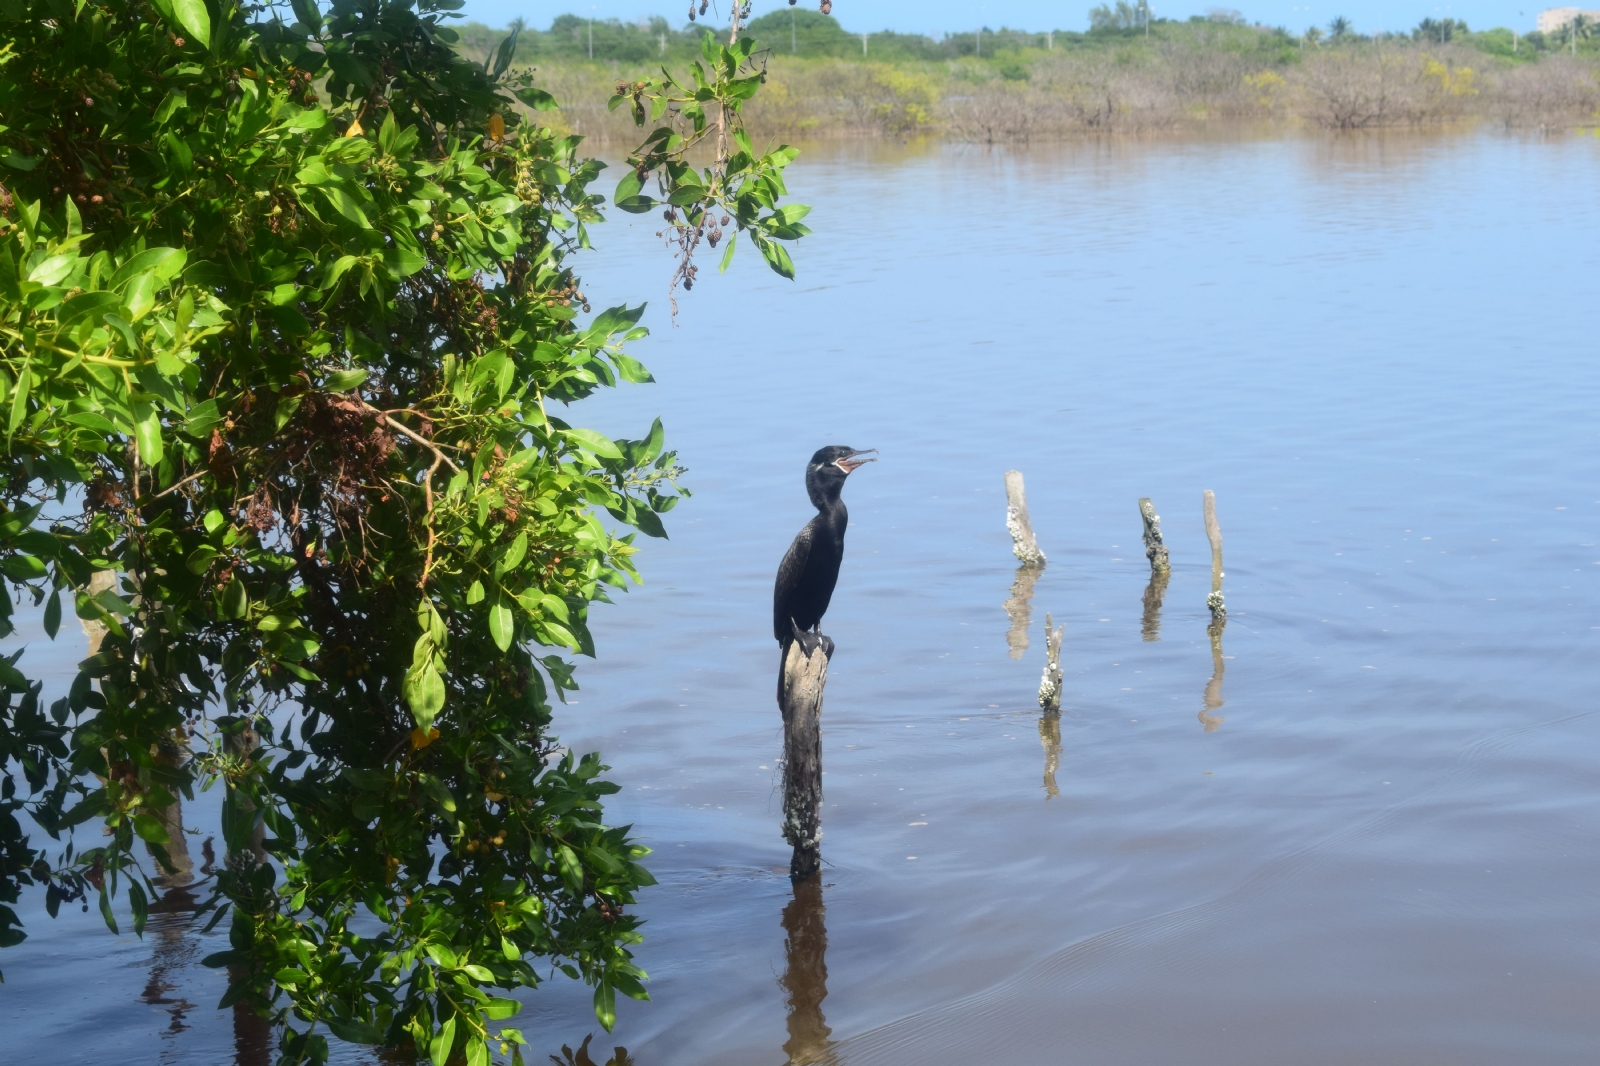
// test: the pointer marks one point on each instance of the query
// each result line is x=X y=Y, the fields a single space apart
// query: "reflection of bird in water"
x=1050 y=740
x=1214 y=686
x=581 y=1057
x=805 y=976
x=810 y=567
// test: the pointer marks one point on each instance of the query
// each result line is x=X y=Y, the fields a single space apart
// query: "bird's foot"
x=810 y=641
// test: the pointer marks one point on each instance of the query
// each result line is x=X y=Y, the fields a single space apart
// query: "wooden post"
x=1155 y=549
x=800 y=698
x=1050 y=683
x=1019 y=608
x=1214 y=535
x=1017 y=523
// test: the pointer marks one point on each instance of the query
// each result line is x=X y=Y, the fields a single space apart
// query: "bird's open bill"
x=849 y=462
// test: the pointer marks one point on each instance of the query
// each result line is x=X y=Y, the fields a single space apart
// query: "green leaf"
x=345 y=380
x=537 y=99
x=19 y=400
x=570 y=869
x=52 y=614
x=727 y=253
x=164 y=263
x=203 y=418
x=23 y=567
x=200 y=559
x=513 y=555
x=500 y=1009
x=147 y=432
x=588 y=439
x=346 y=205
x=150 y=828
x=355 y=1032
x=193 y=16
x=605 y=1005
x=235 y=600
x=439 y=1049
x=501 y=625
x=477 y=1052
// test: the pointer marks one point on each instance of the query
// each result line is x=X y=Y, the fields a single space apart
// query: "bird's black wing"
x=790 y=571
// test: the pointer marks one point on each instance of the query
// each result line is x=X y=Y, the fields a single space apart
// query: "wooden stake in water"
x=800 y=699
x=1155 y=549
x=1214 y=535
x=1050 y=683
x=1023 y=545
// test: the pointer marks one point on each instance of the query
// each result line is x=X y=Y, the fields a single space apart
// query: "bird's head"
x=828 y=468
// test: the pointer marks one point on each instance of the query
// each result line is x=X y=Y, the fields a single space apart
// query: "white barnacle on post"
x=1050 y=683
x=1023 y=544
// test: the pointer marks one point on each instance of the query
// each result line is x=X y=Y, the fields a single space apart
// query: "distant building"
x=1555 y=19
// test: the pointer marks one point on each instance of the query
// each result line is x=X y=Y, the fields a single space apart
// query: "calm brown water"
x=1374 y=838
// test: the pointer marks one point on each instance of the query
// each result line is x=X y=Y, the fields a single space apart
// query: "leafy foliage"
x=293 y=368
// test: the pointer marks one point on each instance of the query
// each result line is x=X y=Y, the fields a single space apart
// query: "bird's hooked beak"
x=847 y=463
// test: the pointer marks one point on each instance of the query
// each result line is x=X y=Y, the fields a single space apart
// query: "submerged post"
x=800 y=699
x=1214 y=535
x=1050 y=683
x=1155 y=549
x=1017 y=524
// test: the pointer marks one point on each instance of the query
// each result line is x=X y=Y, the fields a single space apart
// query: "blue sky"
x=944 y=16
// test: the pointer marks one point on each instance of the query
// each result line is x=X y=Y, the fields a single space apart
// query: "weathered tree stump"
x=800 y=698
x=1155 y=549
x=1214 y=535
x=1023 y=544
x=1050 y=683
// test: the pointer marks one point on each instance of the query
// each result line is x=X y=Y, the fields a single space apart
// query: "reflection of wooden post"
x=805 y=974
x=1150 y=624
x=1018 y=524
x=800 y=697
x=1214 y=535
x=1213 y=696
x=1050 y=740
x=1050 y=683
x=1019 y=608
x=172 y=752
x=1155 y=549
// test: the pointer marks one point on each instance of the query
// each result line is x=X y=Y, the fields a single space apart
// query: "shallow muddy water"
x=1372 y=836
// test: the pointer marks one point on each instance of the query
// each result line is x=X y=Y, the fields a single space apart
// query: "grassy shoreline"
x=1025 y=87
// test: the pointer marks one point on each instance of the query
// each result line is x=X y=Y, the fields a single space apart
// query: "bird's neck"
x=832 y=510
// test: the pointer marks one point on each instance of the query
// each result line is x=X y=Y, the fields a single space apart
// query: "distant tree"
x=1314 y=35
x=1439 y=31
x=1340 y=28
x=1124 y=16
x=1226 y=15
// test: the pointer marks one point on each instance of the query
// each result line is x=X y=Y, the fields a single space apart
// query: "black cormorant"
x=810 y=567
